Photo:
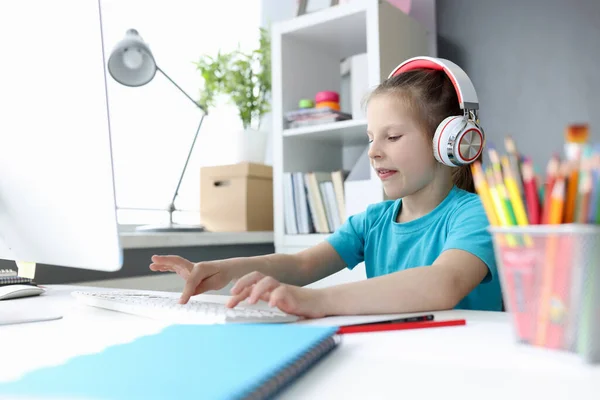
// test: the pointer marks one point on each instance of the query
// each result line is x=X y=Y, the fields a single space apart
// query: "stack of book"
x=314 y=116
x=313 y=201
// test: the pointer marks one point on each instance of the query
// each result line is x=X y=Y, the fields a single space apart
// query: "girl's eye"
x=394 y=138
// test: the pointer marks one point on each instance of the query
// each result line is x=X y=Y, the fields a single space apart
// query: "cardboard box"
x=237 y=198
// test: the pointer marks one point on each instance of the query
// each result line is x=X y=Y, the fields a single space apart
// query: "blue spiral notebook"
x=235 y=361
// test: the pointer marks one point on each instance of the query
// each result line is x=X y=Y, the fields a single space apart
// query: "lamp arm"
x=172 y=205
x=181 y=90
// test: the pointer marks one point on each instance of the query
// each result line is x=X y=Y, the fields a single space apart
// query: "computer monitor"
x=57 y=192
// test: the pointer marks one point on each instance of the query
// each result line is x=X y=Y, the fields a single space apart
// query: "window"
x=153 y=126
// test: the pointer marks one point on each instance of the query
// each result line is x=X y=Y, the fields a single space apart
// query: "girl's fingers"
x=265 y=285
x=194 y=277
x=160 y=267
x=284 y=299
x=235 y=300
x=172 y=261
x=265 y=296
x=181 y=271
x=245 y=281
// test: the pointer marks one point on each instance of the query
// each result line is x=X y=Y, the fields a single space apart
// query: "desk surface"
x=476 y=361
x=140 y=240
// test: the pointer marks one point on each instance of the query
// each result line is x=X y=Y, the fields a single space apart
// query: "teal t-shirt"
x=386 y=246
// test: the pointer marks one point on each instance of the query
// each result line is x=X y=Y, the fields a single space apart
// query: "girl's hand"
x=199 y=277
x=289 y=299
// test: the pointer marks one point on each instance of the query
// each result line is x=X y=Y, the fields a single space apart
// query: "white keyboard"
x=207 y=309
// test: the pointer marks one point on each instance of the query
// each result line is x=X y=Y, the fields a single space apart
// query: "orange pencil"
x=575 y=138
x=551 y=173
x=572 y=185
x=557 y=200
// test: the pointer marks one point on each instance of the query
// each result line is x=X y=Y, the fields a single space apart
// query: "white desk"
x=476 y=361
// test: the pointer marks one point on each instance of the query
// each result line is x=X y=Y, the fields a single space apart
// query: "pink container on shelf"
x=327 y=95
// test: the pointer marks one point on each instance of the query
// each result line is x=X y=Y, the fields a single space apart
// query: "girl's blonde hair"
x=432 y=97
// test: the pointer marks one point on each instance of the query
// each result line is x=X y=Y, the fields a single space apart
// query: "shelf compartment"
x=341 y=29
x=348 y=133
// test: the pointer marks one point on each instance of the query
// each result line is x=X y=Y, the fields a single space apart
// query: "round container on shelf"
x=327 y=95
x=306 y=103
x=331 y=104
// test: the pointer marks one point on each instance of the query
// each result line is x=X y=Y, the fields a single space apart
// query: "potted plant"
x=244 y=77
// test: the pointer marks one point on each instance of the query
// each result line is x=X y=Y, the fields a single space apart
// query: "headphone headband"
x=467 y=97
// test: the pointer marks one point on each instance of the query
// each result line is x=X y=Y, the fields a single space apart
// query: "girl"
x=427 y=250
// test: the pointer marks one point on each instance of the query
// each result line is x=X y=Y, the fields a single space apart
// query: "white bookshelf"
x=307 y=52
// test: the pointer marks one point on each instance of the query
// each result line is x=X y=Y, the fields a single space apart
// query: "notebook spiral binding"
x=277 y=383
x=14 y=280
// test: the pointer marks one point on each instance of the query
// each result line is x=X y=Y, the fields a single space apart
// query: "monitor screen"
x=57 y=196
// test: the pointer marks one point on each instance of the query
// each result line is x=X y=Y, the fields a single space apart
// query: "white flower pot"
x=251 y=146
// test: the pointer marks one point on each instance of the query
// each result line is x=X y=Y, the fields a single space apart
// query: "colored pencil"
x=514 y=163
x=483 y=190
x=498 y=206
x=575 y=138
x=512 y=188
x=551 y=172
x=531 y=193
x=500 y=187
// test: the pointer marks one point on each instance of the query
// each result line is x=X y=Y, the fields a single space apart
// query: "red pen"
x=375 y=327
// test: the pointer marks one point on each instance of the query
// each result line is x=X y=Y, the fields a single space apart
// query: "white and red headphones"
x=458 y=139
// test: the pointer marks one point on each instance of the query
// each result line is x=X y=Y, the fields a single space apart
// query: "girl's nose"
x=374 y=151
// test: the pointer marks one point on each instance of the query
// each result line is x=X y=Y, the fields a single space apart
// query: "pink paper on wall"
x=403 y=5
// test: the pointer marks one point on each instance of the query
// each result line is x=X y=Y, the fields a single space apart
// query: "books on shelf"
x=314 y=202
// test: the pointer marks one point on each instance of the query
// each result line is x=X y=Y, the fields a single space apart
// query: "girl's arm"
x=297 y=269
x=440 y=286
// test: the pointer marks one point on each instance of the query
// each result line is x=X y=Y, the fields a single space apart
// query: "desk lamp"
x=131 y=64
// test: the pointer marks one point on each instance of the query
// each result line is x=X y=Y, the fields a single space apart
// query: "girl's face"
x=400 y=151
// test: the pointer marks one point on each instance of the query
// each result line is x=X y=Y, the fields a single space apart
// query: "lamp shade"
x=131 y=62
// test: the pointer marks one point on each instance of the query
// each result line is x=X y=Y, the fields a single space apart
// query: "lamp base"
x=170 y=228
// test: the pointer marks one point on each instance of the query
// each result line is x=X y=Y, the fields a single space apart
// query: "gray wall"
x=534 y=63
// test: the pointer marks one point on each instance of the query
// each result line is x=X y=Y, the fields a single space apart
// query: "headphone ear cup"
x=469 y=144
x=457 y=141
x=443 y=148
